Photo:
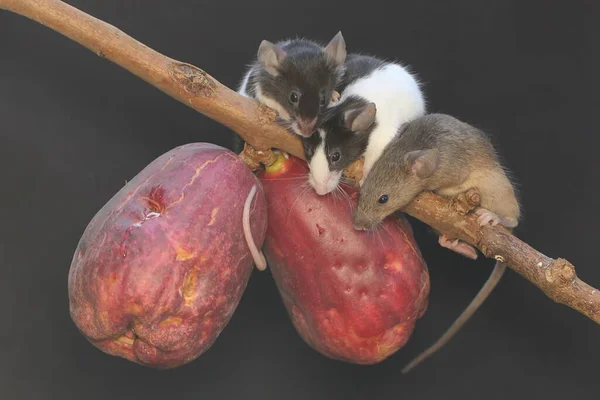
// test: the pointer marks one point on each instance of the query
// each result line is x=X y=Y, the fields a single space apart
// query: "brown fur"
x=439 y=153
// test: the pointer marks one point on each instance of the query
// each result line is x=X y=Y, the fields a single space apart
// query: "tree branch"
x=255 y=124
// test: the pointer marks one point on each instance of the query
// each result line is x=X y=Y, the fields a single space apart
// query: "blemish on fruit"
x=310 y=210
x=396 y=265
x=127 y=339
x=154 y=203
x=134 y=309
x=188 y=288
x=112 y=278
x=183 y=255
x=171 y=321
x=213 y=215
x=320 y=229
x=226 y=273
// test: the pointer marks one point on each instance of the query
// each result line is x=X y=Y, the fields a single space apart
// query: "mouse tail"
x=257 y=255
x=483 y=294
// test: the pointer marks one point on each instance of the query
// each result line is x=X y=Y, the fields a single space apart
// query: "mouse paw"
x=335 y=97
x=487 y=217
x=458 y=246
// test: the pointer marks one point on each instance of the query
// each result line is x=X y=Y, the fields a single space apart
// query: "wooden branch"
x=255 y=124
x=184 y=82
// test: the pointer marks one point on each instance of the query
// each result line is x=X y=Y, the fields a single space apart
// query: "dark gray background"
x=74 y=127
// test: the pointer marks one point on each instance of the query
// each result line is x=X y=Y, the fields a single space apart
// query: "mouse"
x=439 y=153
x=377 y=96
x=296 y=78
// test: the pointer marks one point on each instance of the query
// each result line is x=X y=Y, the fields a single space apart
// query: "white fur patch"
x=398 y=98
x=271 y=103
x=321 y=178
x=244 y=84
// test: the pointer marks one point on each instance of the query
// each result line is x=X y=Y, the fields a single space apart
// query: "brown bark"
x=255 y=124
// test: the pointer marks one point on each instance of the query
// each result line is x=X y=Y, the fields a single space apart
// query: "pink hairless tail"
x=257 y=255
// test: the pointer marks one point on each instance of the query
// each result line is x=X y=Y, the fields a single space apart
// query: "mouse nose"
x=361 y=224
x=307 y=127
x=359 y=227
x=321 y=189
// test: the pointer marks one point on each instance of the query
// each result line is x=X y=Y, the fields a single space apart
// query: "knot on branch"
x=254 y=158
x=192 y=79
x=560 y=273
x=266 y=115
x=466 y=202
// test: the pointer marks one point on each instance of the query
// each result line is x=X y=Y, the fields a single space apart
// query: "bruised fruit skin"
x=162 y=266
x=352 y=295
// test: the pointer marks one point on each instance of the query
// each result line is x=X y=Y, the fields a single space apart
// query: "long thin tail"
x=257 y=255
x=483 y=294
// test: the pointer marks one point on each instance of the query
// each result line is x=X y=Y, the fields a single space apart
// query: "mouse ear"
x=361 y=118
x=271 y=56
x=336 y=50
x=423 y=163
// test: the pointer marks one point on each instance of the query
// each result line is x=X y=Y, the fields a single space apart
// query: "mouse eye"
x=335 y=157
x=383 y=199
x=294 y=97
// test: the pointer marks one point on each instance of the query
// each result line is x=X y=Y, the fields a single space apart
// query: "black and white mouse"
x=377 y=97
x=297 y=78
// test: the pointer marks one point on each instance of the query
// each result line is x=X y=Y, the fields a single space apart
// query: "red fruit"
x=352 y=295
x=162 y=266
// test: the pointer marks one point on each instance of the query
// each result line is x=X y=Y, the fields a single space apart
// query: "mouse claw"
x=486 y=217
x=458 y=246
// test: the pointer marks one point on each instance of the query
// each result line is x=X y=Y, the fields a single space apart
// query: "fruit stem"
x=280 y=164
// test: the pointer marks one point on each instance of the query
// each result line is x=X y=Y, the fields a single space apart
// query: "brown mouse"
x=439 y=153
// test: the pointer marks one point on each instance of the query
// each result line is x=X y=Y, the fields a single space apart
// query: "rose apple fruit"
x=162 y=266
x=352 y=295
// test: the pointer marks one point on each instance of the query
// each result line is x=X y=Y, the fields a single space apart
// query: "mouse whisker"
x=351 y=204
x=344 y=196
x=346 y=181
x=303 y=190
x=378 y=232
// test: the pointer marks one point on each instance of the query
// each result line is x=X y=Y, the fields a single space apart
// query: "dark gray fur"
x=340 y=138
x=306 y=69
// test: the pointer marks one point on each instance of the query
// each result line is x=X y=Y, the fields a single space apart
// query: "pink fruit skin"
x=353 y=296
x=162 y=266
